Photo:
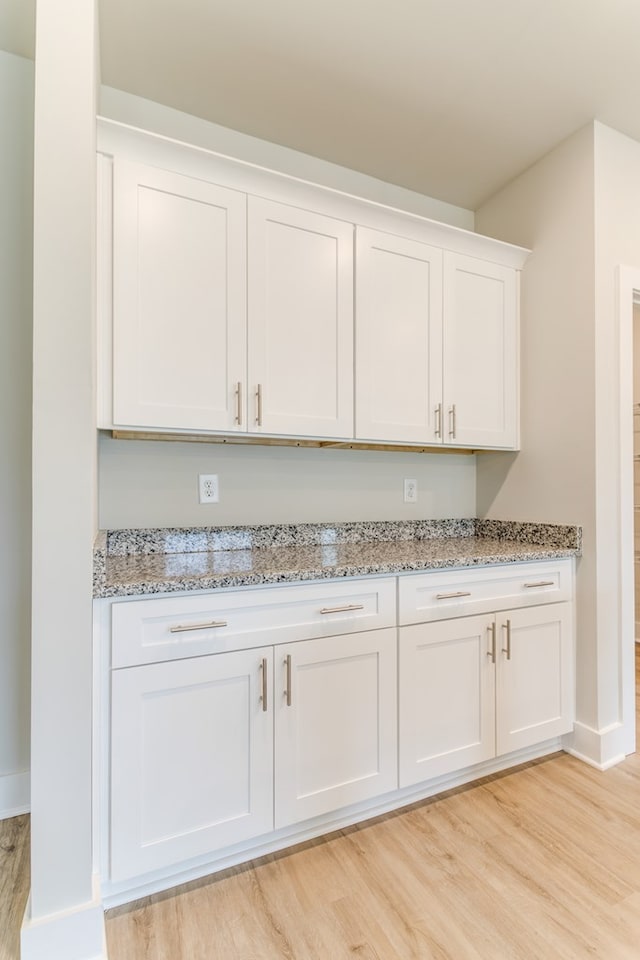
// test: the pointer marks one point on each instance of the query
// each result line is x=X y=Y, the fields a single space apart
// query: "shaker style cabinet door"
x=446 y=696
x=335 y=723
x=300 y=322
x=192 y=759
x=398 y=339
x=179 y=301
x=535 y=677
x=480 y=391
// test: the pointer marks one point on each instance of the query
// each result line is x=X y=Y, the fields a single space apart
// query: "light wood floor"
x=536 y=864
x=14 y=883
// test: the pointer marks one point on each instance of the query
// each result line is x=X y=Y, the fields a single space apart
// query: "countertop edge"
x=185 y=584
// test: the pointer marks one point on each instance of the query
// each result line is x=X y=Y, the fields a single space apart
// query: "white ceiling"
x=451 y=98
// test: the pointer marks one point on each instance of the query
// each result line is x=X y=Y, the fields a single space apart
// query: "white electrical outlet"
x=208 y=488
x=410 y=491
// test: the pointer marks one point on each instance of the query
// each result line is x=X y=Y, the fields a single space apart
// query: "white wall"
x=550 y=208
x=16 y=249
x=578 y=208
x=617 y=220
x=138 y=112
x=64 y=922
x=147 y=484
x=155 y=483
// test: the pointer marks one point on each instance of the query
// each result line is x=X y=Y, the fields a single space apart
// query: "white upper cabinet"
x=231 y=300
x=480 y=336
x=398 y=338
x=436 y=345
x=300 y=322
x=179 y=300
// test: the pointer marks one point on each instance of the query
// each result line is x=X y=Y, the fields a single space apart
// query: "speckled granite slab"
x=142 y=562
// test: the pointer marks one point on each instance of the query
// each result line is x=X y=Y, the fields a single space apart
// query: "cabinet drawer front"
x=149 y=631
x=456 y=593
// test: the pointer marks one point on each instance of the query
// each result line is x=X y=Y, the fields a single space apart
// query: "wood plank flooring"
x=535 y=864
x=14 y=883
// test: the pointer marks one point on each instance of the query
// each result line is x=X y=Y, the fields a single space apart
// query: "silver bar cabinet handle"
x=239 y=402
x=263 y=698
x=345 y=609
x=186 y=627
x=450 y=596
x=507 y=626
x=287 y=692
x=452 y=421
x=540 y=583
x=259 y=405
x=438 y=428
x=492 y=653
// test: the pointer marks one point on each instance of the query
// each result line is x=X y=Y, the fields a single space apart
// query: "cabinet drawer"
x=458 y=593
x=149 y=631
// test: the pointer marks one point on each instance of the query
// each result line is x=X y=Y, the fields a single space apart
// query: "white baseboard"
x=15 y=794
x=76 y=934
x=601 y=749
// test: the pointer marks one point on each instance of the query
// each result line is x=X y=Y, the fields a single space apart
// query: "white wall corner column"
x=64 y=919
x=577 y=208
x=16 y=237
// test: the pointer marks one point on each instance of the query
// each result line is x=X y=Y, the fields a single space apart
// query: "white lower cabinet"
x=193 y=744
x=335 y=723
x=534 y=676
x=191 y=759
x=237 y=714
x=473 y=688
x=447 y=692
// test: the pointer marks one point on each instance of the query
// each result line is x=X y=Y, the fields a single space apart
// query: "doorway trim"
x=628 y=291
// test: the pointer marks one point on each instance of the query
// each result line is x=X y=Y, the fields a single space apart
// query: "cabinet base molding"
x=287 y=442
x=601 y=749
x=76 y=934
x=114 y=895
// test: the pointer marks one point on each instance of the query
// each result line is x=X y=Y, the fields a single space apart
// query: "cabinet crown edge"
x=115 y=138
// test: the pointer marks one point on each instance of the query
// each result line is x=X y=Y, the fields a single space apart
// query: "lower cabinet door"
x=534 y=675
x=447 y=697
x=335 y=723
x=192 y=758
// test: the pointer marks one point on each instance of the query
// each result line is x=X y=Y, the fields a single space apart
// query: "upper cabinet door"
x=300 y=310
x=398 y=339
x=179 y=301
x=480 y=394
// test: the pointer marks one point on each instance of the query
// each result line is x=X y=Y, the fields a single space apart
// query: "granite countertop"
x=142 y=562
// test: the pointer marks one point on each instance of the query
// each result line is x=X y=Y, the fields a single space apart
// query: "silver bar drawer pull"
x=184 y=628
x=345 y=609
x=507 y=626
x=492 y=632
x=238 y=402
x=438 y=429
x=263 y=697
x=540 y=583
x=452 y=596
x=287 y=664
